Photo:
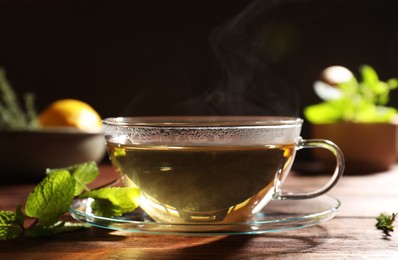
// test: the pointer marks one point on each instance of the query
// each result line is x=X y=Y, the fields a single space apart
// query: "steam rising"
x=247 y=48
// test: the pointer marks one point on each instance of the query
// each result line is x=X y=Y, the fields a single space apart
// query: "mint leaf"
x=392 y=83
x=83 y=173
x=9 y=225
x=105 y=208
x=385 y=223
x=115 y=201
x=59 y=227
x=51 y=198
x=324 y=113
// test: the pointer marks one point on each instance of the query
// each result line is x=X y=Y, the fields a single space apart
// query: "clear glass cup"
x=205 y=169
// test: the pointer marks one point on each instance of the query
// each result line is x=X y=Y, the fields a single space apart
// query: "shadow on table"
x=245 y=246
x=219 y=247
x=117 y=245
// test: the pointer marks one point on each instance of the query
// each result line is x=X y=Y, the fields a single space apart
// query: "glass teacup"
x=209 y=169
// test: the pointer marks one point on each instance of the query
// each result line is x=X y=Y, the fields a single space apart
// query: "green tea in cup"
x=208 y=169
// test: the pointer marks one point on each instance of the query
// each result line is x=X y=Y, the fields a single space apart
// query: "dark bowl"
x=25 y=155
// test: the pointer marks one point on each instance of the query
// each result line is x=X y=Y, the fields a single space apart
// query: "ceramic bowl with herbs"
x=67 y=132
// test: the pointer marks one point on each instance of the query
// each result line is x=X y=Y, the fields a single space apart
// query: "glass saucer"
x=277 y=216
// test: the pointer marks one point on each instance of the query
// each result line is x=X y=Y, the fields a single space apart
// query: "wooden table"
x=350 y=235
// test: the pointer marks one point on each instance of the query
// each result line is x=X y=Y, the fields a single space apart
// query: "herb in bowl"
x=353 y=100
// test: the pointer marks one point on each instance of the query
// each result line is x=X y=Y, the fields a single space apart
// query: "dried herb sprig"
x=12 y=116
x=385 y=223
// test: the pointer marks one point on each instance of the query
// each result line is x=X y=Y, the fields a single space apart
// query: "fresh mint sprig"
x=385 y=223
x=52 y=197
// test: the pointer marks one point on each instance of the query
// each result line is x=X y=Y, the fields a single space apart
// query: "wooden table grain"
x=350 y=235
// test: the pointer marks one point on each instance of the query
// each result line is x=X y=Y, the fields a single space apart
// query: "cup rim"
x=202 y=121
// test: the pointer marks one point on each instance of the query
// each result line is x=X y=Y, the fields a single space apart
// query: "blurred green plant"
x=12 y=115
x=357 y=101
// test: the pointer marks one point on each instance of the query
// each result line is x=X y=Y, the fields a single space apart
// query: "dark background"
x=149 y=55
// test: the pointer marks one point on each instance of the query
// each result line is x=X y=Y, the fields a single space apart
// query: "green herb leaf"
x=59 y=227
x=392 y=83
x=51 y=198
x=110 y=202
x=369 y=76
x=83 y=173
x=385 y=223
x=10 y=226
x=324 y=113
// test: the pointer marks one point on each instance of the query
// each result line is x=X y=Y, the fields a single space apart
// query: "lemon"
x=72 y=113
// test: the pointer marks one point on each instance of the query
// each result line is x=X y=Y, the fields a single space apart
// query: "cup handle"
x=338 y=172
